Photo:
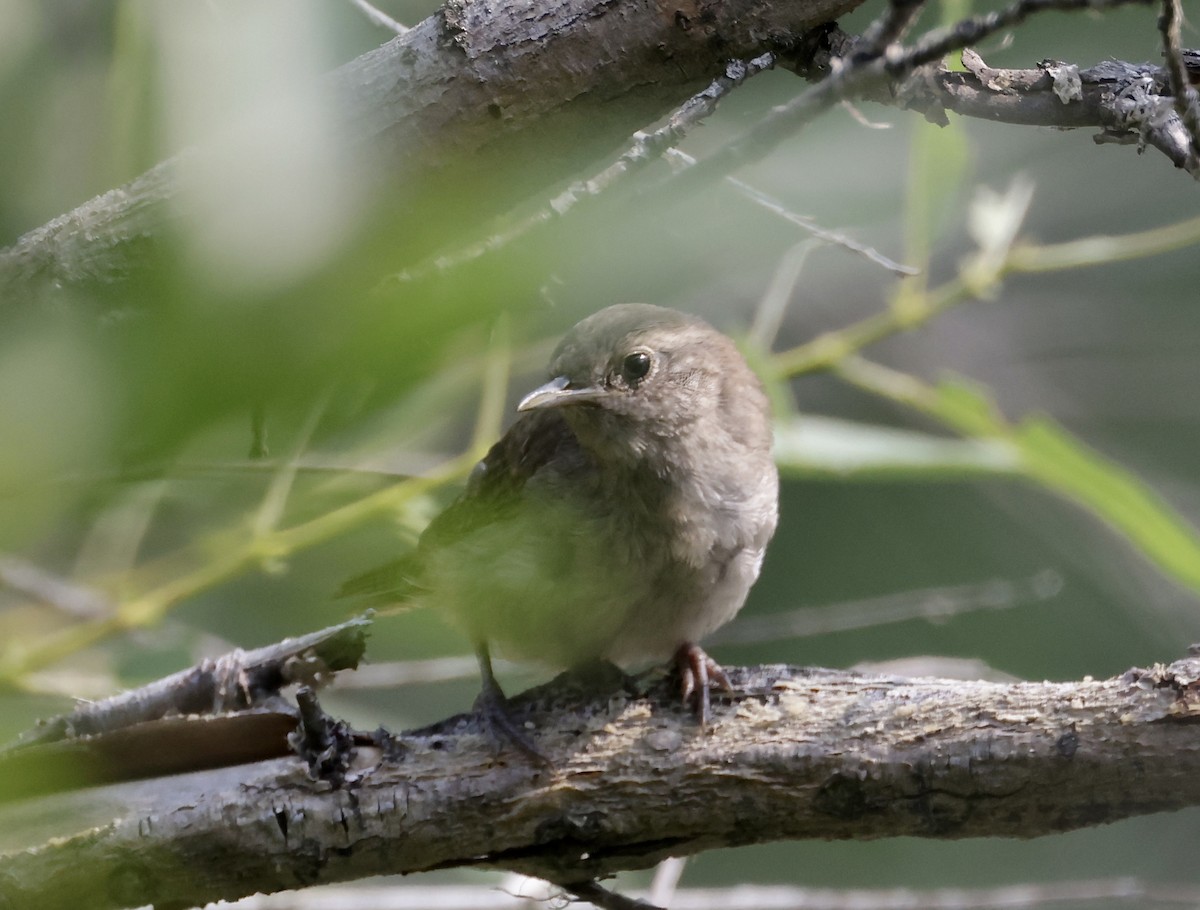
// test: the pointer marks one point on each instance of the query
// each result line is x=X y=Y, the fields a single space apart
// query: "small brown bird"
x=623 y=516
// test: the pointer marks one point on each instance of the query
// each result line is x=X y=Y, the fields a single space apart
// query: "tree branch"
x=792 y=753
x=538 y=92
x=1129 y=102
x=1187 y=101
x=233 y=682
x=220 y=712
x=851 y=76
x=534 y=89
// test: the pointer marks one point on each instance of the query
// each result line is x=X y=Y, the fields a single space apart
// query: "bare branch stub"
x=325 y=744
x=224 y=711
x=235 y=681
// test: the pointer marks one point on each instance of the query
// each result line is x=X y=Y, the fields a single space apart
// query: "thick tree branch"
x=792 y=753
x=537 y=91
x=533 y=89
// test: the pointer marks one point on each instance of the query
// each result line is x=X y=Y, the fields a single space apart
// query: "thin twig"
x=889 y=28
x=768 y=316
x=665 y=884
x=773 y=205
x=644 y=148
x=861 y=119
x=380 y=18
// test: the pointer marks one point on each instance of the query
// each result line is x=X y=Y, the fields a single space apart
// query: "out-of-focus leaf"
x=130 y=101
x=993 y=221
x=1061 y=462
x=952 y=11
x=939 y=160
x=1045 y=453
x=967 y=409
x=827 y=447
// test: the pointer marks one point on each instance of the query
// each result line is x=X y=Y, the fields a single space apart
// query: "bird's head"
x=633 y=372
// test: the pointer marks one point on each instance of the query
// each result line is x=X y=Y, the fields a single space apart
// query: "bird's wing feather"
x=493 y=493
x=494 y=490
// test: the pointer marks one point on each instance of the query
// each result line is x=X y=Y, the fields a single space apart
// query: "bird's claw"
x=697 y=673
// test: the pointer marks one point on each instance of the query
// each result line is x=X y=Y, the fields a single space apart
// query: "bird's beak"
x=556 y=393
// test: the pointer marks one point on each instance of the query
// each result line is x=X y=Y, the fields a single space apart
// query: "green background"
x=129 y=409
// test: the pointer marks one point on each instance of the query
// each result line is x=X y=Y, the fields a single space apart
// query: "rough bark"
x=1126 y=101
x=792 y=753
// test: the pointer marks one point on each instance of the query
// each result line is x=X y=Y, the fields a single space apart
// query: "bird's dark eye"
x=635 y=367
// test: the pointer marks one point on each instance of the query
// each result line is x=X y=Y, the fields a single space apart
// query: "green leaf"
x=827 y=447
x=967 y=409
x=939 y=161
x=1058 y=460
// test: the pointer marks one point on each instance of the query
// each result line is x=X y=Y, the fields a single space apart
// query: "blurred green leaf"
x=1055 y=458
x=967 y=408
x=952 y=11
x=1050 y=456
x=825 y=446
x=939 y=161
x=130 y=92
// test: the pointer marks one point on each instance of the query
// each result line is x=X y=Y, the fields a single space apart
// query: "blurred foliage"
x=127 y=409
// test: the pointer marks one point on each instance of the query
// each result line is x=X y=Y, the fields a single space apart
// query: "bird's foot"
x=496 y=716
x=697 y=672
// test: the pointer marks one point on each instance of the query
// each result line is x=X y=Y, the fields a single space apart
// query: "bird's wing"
x=538 y=441
x=494 y=492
